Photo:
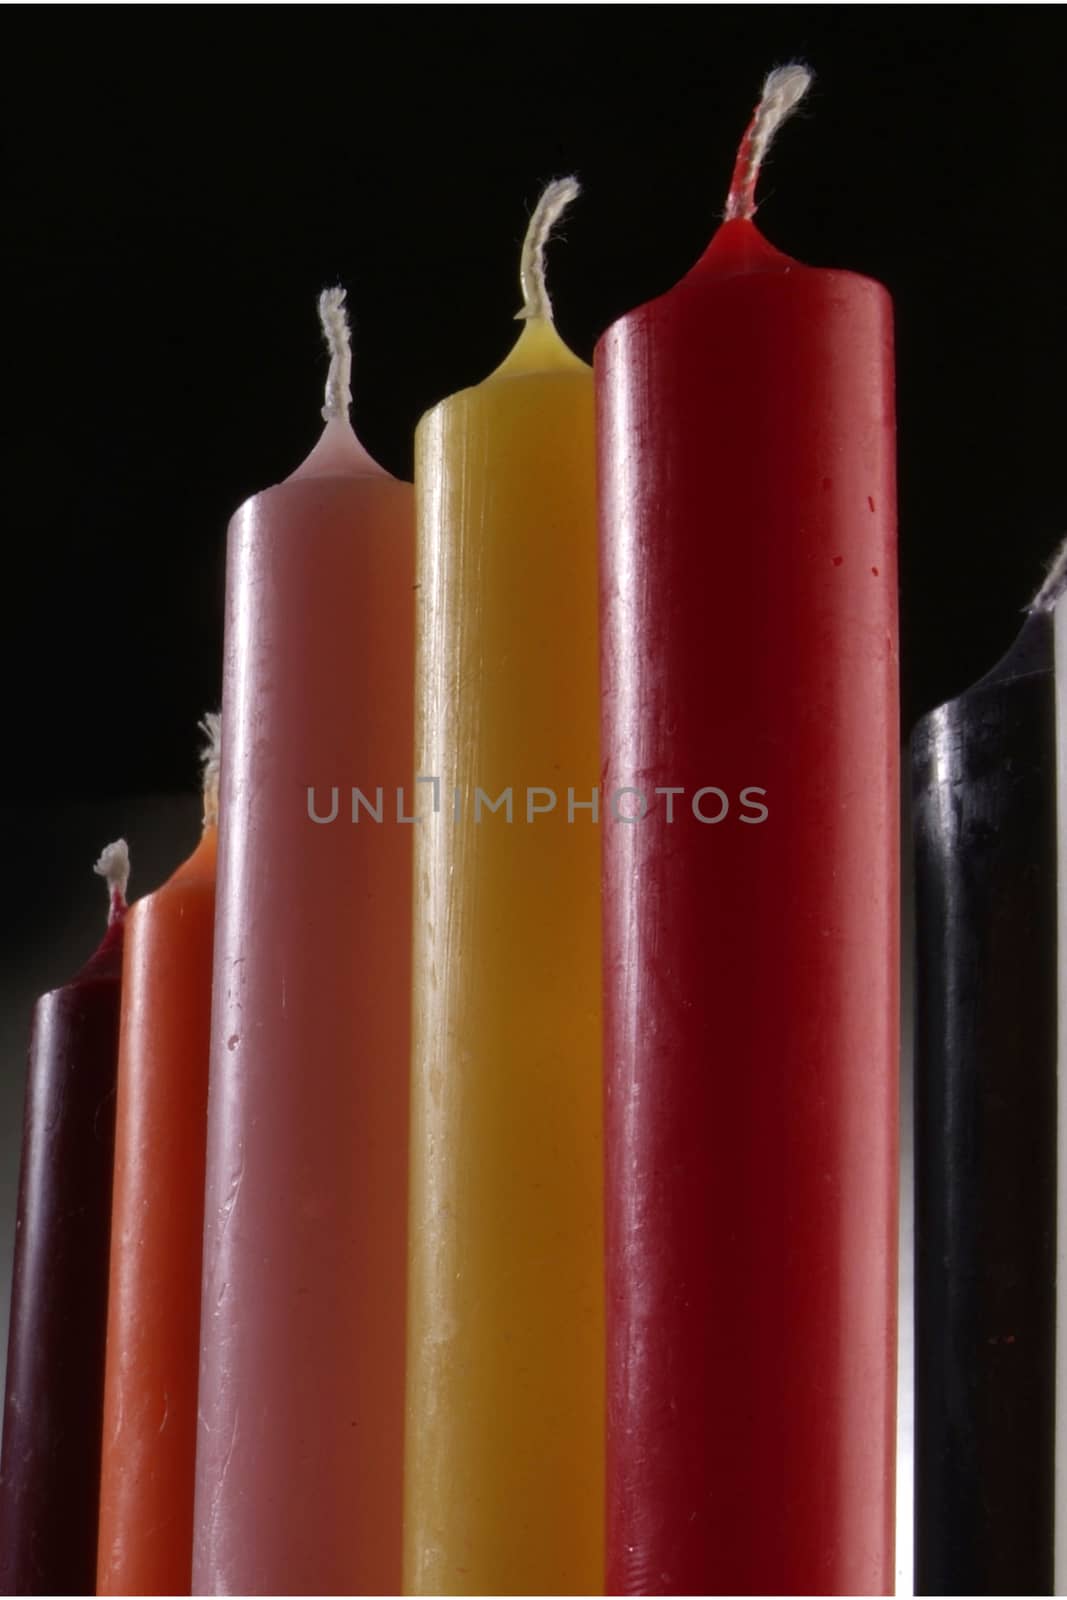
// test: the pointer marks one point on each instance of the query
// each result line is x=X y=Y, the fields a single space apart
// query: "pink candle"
x=301 y=1378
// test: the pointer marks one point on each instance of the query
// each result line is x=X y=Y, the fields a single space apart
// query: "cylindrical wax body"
x=504 y=1470
x=50 y=1475
x=301 y=1379
x=157 y=1226
x=749 y=646
x=983 y=775
x=1059 y=1511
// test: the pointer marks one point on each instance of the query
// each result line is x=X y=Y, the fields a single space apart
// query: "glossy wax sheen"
x=149 y=1434
x=301 y=1379
x=749 y=628
x=504 y=1490
x=50 y=1473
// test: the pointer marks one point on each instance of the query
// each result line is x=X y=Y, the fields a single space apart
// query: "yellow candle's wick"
x=334 y=321
x=547 y=212
x=210 y=726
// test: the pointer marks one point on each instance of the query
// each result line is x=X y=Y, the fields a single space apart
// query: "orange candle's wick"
x=783 y=91
x=210 y=761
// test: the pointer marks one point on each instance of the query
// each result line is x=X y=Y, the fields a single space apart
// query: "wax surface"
x=504 y=1472
x=983 y=775
x=748 y=594
x=50 y=1474
x=1059 y=1537
x=149 y=1435
x=301 y=1379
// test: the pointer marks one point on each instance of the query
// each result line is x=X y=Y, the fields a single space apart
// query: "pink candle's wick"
x=783 y=91
x=338 y=453
x=334 y=320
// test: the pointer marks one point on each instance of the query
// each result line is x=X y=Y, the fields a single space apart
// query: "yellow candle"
x=504 y=1448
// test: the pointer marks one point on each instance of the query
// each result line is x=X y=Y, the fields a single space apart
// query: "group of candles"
x=499 y=1195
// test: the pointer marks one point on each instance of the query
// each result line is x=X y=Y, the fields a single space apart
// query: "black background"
x=182 y=181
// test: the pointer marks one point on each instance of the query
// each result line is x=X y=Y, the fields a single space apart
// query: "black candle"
x=983 y=769
x=50 y=1471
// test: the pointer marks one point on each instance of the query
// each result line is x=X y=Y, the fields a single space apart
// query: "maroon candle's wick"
x=783 y=91
x=114 y=867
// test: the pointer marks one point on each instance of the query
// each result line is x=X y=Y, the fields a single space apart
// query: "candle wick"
x=114 y=867
x=210 y=726
x=547 y=212
x=783 y=91
x=334 y=321
x=1055 y=584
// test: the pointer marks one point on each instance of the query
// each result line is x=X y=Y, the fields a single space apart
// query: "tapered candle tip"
x=114 y=867
x=1055 y=585
x=547 y=212
x=334 y=319
x=783 y=90
x=210 y=726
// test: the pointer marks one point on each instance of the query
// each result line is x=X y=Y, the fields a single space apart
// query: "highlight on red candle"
x=53 y=1402
x=748 y=626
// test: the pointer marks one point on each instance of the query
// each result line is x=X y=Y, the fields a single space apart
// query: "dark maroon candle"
x=50 y=1471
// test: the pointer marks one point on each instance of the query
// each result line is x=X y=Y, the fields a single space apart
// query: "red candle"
x=749 y=659
x=53 y=1407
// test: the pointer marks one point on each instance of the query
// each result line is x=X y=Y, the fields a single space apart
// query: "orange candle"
x=149 y=1437
x=298 y=1468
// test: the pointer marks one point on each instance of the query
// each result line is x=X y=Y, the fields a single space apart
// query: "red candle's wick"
x=783 y=91
x=117 y=909
x=741 y=199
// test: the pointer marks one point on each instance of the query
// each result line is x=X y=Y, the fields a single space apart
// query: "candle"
x=298 y=1471
x=50 y=1471
x=505 y=1359
x=983 y=776
x=1054 y=592
x=149 y=1434
x=749 y=660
